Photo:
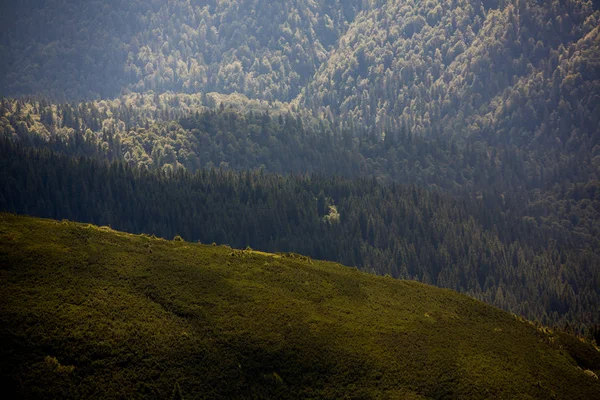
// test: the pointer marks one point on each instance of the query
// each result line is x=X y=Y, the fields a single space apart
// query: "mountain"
x=91 y=312
x=492 y=106
x=516 y=80
x=370 y=64
x=520 y=74
x=433 y=65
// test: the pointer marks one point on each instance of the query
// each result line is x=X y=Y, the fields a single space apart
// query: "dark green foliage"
x=478 y=246
x=87 y=312
x=177 y=392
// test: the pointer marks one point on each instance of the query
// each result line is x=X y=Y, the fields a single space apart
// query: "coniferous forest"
x=455 y=143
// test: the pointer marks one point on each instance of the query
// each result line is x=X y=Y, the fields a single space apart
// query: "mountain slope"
x=90 y=312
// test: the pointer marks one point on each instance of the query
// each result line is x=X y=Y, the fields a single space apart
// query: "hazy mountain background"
x=74 y=50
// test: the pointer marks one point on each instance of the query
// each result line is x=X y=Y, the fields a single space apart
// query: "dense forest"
x=455 y=67
x=459 y=67
x=525 y=264
x=173 y=131
x=453 y=142
x=164 y=133
x=499 y=82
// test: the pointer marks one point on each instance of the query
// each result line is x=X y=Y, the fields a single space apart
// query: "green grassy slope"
x=88 y=312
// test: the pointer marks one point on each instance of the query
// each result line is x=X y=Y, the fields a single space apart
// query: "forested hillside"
x=520 y=74
x=430 y=64
x=514 y=80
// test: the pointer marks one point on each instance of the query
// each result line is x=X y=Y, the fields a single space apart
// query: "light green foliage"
x=191 y=321
x=333 y=216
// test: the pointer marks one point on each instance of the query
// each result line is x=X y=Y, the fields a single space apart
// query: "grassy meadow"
x=88 y=312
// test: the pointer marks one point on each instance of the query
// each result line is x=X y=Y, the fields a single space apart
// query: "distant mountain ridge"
x=340 y=51
x=429 y=64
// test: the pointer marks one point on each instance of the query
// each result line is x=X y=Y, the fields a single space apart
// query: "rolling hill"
x=91 y=312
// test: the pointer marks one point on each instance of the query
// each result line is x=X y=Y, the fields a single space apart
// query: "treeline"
x=173 y=132
x=522 y=264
